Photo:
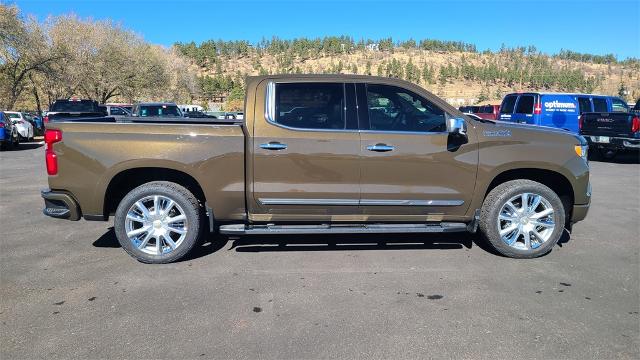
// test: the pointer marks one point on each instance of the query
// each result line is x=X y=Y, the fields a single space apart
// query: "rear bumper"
x=619 y=143
x=60 y=205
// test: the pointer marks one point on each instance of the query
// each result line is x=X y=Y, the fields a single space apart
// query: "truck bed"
x=208 y=153
x=144 y=120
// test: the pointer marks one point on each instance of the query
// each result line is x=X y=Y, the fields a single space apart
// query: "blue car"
x=38 y=125
x=556 y=110
x=9 y=138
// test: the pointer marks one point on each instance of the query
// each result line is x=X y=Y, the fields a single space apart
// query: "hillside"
x=454 y=71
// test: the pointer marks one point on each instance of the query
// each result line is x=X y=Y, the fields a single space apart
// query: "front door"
x=410 y=169
x=306 y=153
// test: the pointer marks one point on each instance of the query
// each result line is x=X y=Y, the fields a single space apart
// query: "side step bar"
x=242 y=229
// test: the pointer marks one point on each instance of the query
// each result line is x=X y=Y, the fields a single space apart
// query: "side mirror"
x=456 y=126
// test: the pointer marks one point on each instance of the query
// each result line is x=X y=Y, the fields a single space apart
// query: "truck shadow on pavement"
x=330 y=242
x=350 y=242
x=25 y=146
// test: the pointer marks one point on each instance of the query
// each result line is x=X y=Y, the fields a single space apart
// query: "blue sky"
x=597 y=27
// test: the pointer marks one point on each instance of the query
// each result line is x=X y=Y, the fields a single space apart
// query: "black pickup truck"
x=74 y=109
x=611 y=132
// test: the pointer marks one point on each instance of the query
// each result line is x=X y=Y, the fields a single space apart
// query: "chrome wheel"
x=156 y=225
x=526 y=221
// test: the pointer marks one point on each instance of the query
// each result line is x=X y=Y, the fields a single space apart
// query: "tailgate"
x=606 y=124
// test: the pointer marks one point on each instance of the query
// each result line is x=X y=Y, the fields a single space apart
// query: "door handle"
x=273 y=146
x=380 y=148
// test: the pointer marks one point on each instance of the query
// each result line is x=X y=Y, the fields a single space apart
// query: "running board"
x=242 y=229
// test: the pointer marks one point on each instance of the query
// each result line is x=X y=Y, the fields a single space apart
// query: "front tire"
x=522 y=219
x=158 y=222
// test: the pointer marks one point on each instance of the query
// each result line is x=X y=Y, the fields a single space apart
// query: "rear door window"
x=73 y=106
x=525 y=104
x=160 y=110
x=310 y=105
x=487 y=109
x=508 y=104
x=600 y=105
x=117 y=111
x=585 y=104
x=617 y=105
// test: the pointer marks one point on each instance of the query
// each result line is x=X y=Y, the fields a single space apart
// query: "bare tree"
x=23 y=50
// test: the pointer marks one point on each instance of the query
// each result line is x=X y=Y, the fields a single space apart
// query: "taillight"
x=45 y=119
x=1 y=125
x=580 y=120
x=537 y=109
x=635 y=124
x=51 y=137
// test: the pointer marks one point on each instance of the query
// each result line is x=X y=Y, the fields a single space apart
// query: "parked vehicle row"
x=24 y=124
x=16 y=127
x=319 y=154
x=9 y=137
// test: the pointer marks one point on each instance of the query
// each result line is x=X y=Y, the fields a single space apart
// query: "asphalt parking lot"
x=68 y=290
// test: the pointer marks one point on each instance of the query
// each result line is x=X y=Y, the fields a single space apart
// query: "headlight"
x=582 y=150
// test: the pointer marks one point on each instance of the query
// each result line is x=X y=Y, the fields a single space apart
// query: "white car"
x=22 y=124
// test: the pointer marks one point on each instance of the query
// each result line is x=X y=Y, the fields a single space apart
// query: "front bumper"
x=60 y=205
x=618 y=143
x=579 y=212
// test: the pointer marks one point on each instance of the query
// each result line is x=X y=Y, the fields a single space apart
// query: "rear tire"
x=519 y=231
x=158 y=222
x=13 y=142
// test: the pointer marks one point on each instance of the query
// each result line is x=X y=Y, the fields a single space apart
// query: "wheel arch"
x=555 y=180
x=126 y=180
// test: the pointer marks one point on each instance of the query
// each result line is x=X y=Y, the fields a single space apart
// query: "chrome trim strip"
x=280 y=201
x=270 y=105
x=372 y=202
x=404 y=132
x=355 y=202
x=240 y=229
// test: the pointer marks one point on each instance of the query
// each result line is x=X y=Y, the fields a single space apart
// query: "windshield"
x=14 y=116
x=160 y=110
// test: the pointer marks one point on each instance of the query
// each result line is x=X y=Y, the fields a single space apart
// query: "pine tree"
x=622 y=90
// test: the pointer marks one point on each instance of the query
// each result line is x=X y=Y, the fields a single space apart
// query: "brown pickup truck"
x=320 y=154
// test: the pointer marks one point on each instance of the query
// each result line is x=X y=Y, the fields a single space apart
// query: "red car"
x=491 y=112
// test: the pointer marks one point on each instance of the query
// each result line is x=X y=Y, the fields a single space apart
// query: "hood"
x=526 y=132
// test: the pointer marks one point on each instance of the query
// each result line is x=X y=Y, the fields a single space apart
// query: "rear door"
x=600 y=105
x=507 y=107
x=305 y=152
x=523 y=112
x=584 y=104
x=409 y=169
